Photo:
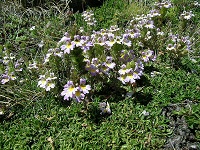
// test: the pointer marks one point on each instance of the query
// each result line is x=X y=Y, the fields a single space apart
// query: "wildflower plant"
x=178 y=47
x=47 y=81
x=99 y=56
x=10 y=66
x=186 y=17
x=104 y=56
x=88 y=16
x=73 y=66
x=78 y=93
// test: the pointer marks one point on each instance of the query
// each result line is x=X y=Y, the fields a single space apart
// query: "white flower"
x=41 y=44
x=196 y=3
x=46 y=82
x=42 y=83
x=5 y=80
x=32 y=28
x=170 y=47
x=33 y=65
x=187 y=15
x=81 y=29
x=1 y=112
x=50 y=85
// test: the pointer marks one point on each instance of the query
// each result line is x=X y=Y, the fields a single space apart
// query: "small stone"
x=129 y=94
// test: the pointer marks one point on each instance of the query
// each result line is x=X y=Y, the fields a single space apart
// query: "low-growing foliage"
x=97 y=79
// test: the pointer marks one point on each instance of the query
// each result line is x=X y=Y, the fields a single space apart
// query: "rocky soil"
x=183 y=138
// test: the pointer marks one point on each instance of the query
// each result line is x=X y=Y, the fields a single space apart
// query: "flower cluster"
x=129 y=74
x=108 y=65
x=6 y=77
x=47 y=81
x=33 y=65
x=11 y=66
x=67 y=44
x=95 y=67
x=195 y=3
x=88 y=16
x=143 y=21
x=18 y=65
x=131 y=68
x=105 y=108
x=148 y=55
x=111 y=52
x=187 y=15
x=163 y=4
x=144 y=26
x=78 y=92
x=105 y=38
x=179 y=45
x=54 y=52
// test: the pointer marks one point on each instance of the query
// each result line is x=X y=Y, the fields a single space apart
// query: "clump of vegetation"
x=79 y=74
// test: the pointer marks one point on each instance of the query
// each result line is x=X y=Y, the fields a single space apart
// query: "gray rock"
x=182 y=137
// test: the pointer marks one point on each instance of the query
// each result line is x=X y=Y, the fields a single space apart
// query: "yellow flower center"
x=68 y=46
x=78 y=93
x=71 y=89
